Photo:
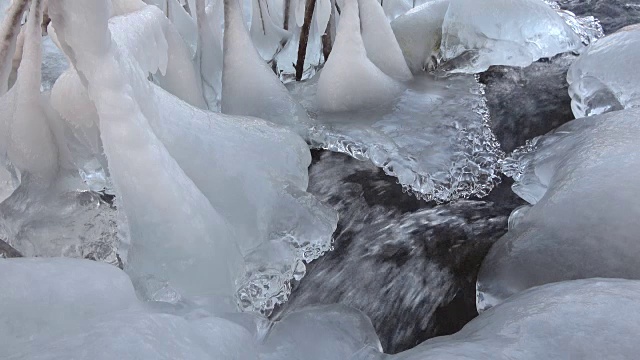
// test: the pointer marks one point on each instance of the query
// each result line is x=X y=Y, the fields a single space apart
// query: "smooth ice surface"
x=380 y=42
x=434 y=137
x=583 y=222
x=419 y=33
x=478 y=34
x=604 y=78
x=349 y=70
x=249 y=86
x=583 y=319
x=320 y=333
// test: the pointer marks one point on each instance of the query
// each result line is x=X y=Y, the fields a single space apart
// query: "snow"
x=604 y=78
x=478 y=34
x=582 y=222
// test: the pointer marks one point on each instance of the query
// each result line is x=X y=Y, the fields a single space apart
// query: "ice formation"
x=379 y=41
x=249 y=86
x=583 y=221
x=596 y=88
x=419 y=33
x=434 y=137
x=542 y=323
x=478 y=34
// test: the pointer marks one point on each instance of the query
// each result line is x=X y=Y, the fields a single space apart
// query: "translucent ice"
x=186 y=234
x=380 y=42
x=583 y=222
x=349 y=70
x=434 y=136
x=542 y=323
x=604 y=76
x=249 y=86
x=478 y=34
x=419 y=33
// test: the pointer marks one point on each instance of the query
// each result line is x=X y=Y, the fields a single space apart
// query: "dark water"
x=409 y=265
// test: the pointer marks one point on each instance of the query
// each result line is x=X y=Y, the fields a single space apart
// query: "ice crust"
x=583 y=221
x=478 y=34
x=603 y=78
x=434 y=137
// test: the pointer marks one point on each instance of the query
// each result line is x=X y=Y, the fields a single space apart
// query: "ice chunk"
x=478 y=34
x=176 y=234
x=167 y=56
x=249 y=87
x=419 y=33
x=584 y=221
x=263 y=210
x=587 y=27
x=542 y=323
x=54 y=295
x=434 y=137
x=349 y=70
x=604 y=78
x=322 y=333
x=380 y=42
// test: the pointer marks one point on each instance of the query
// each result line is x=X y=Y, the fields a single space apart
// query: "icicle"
x=267 y=37
x=380 y=42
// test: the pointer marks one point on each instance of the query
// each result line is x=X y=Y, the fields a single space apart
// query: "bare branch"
x=304 y=37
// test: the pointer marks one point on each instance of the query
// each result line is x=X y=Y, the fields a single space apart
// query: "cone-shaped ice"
x=380 y=42
x=249 y=86
x=348 y=70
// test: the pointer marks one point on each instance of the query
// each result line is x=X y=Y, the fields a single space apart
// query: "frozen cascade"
x=595 y=88
x=582 y=222
x=434 y=137
x=478 y=34
x=275 y=243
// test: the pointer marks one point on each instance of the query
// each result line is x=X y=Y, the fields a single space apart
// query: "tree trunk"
x=329 y=33
x=304 y=37
x=9 y=31
x=287 y=9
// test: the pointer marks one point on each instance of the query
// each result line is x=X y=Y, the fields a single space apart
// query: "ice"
x=166 y=57
x=189 y=238
x=603 y=78
x=183 y=22
x=588 y=27
x=9 y=30
x=50 y=295
x=583 y=222
x=434 y=137
x=321 y=333
x=54 y=63
x=477 y=35
x=249 y=86
x=349 y=70
x=419 y=33
x=543 y=323
x=379 y=41
x=268 y=38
